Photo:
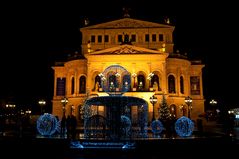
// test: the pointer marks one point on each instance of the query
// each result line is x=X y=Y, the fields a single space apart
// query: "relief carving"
x=126 y=50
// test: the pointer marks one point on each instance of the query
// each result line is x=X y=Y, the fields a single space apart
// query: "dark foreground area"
x=207 y=146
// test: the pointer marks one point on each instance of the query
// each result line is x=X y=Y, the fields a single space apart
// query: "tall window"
x=126 y=83
x=141 y=82
x=106 y=38
x=112 y=83
x=99 y=38
x=72 y=85
x=120 y=38
x=181 y=85
x=195 y=85
x=133 y=38
x=161 y=37
x=146 y=37
x=97 y=83
x=154 y=37
x=173 y=111
x=171 y=84
x=82 y=84
x=60 y=86
x=92 y=38
x=155 y=83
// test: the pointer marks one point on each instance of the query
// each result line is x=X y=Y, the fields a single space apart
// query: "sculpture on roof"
x=126 y=39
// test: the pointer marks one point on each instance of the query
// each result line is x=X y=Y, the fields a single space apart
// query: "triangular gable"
x=128 y=23
x=126 y=49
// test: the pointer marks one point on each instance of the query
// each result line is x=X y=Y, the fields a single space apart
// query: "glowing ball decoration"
x=184 y=127
x=157 y=127
x=47 y=124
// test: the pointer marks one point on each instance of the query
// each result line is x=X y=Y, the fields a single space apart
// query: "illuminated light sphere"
x=184 y=126
x=47 y=124
x=157 y=127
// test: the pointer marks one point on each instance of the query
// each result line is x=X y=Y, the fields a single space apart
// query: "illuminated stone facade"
x=145 y=50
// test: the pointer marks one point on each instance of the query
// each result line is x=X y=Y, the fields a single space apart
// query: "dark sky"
x=33 y=33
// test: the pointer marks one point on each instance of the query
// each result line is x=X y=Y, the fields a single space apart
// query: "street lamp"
x=72 y=109
x=213 y=103
x=182 y=108
x=42 y=103
x=153 y=100
x=64 y=101
x=188 y=101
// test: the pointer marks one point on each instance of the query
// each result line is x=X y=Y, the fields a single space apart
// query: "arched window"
x=171 y=84
x=141 y=82
x=173 y=111
x=72 y=85
x=155 y=83
x=82 y=84
x=112 y=83
x=126 y=83
x=97 y=84
x=181 y=85
x=60 y=86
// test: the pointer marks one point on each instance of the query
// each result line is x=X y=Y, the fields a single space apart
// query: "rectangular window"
x=146 y=37
x=154 y=37
x=99 y=39
x=106 y=38
x=161 y=37
x=195 y=85
x=120 y=38
x=92 y=38
x=60 y=86
x=133 y=38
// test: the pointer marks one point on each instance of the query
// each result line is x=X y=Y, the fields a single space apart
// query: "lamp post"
x=42 y=103
x=182 y=108
x=72 y=109
x=153 y=100
x=213 y=103
x=188 y=100
x=64 y=101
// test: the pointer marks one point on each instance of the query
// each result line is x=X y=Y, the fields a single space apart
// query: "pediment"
x=125 y=49
x=128 y=23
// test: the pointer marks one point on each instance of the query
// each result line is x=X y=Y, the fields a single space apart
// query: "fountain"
x=116 y=121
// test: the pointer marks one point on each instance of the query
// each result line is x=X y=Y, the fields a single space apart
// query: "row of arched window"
x=172 y=84
x=138 y=82
x=61 y=86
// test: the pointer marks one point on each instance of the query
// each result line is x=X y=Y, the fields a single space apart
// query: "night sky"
x=35 y=33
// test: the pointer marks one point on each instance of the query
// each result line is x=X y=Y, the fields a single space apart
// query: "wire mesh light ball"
x=157 y=127
x=47 y=124
x=184 y=126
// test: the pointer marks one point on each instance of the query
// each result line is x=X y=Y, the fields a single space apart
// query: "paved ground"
x=27 y=145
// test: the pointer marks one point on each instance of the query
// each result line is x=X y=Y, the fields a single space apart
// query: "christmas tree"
x=164 y=113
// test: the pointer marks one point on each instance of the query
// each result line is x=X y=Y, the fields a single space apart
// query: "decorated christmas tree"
x=164 y=113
